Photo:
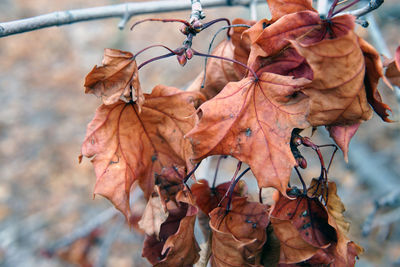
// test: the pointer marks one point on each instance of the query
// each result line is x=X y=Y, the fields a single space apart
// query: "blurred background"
x=48 y=216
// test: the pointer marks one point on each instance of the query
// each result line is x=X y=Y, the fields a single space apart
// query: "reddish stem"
x=155 y=59
x=228 y=59
x=345 y=7
x=152 y=46
x=228 y=206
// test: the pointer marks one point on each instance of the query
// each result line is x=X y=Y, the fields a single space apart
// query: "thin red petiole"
x=345 y=7
x=191 y=172
x=332 y=8
x=228 y=59
x=161 y=20
x=231 y=189
x=155 y=59
x=239 y=165
x=301 y=180
x=333 y=154
x=216 y=170
x=152 y=46
x=208 y=24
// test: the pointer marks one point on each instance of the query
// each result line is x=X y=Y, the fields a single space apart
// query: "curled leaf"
x=117 y=78
x=280 y=8
x=308 y=216
x=176 y=245
x=128 y=147
x=342 y=135
x=374 y=72
x=238 y=235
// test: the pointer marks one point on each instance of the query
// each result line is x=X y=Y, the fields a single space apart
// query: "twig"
x=83 y=230
x=124 y=11
x=372 y=5
x=197 y=11
x=108 y=241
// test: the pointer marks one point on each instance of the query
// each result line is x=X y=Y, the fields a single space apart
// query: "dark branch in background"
x=372 y=5
x=123 y=11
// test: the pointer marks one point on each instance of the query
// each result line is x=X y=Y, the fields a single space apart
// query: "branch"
x=123 y=11
x=197 y=12
x=372 y=5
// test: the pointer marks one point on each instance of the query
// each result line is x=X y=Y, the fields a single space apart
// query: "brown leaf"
x=293 y=248
x=374 y=72
x=153 y=216
x=117 y=77
x=238 y=235
x=308 y=216
x=342 y=135
x=208 y=198
x=249 y=116
x=337 y=93
x=177 y=245
x=126 y=146
x=343 y=252
x=280 y=8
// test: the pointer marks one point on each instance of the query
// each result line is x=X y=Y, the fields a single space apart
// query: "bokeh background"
x=46 y=199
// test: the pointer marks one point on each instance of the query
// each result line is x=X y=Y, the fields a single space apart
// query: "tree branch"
x=372 y=5
x=123 y=11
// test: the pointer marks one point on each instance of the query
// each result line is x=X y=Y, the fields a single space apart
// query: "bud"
x=189 y=53
x=197 y=26
x=184 y=29
x=301 y=162
x=181 y=59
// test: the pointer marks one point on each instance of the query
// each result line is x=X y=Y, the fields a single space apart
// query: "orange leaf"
x=280 y=8
x=177 y=245
x=308 y=216
x=127 y=146
x=249 y=116
x=374 y=72
x=342 y=135
x=238 y=235
x=393 y=69
x=337 y=92
x=293 y=247
x=117 y=77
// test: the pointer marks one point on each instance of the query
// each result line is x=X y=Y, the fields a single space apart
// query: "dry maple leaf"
x=153 y=217
x=238 y=235
x=253 y=121
x=343 y=252
x=176 y=245
x=115 y=79
x=126 y=146
x=293 y=248
x=308 y=216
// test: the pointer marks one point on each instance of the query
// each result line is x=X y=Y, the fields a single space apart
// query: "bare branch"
x=372 y=5
x=197 y=11
x=124 y=11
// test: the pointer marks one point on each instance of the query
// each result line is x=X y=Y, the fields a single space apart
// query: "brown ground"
x=46 y=195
